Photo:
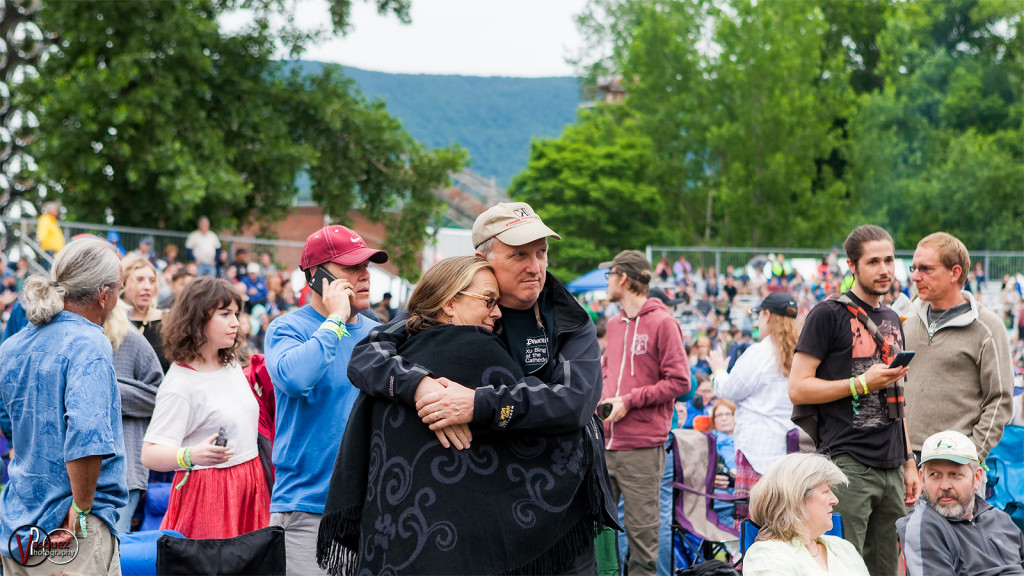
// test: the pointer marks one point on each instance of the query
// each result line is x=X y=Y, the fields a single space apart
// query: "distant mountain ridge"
x=494 y=118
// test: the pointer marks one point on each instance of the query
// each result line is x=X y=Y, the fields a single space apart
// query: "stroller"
x=696 y=527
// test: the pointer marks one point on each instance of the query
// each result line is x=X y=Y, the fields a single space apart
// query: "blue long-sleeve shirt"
x=314 y=397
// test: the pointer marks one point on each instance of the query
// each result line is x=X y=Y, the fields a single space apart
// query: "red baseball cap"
x=338 y=244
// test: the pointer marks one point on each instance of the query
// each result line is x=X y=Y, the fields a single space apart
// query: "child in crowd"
x=205 y=421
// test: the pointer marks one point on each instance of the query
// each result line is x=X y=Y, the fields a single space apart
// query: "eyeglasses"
x=924 y=268
x=488 y=301
x=724 y=415
x=609 y=274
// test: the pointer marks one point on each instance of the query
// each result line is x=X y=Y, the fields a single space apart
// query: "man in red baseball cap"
x=307 y=355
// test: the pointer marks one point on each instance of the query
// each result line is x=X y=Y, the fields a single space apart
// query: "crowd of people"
x=486 y=428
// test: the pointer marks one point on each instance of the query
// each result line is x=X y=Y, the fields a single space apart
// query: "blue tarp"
x=593 y=280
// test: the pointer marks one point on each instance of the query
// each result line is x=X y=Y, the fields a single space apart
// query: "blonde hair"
x=80 y=271
x=442 y=282
x=133 y=262
x=778 y=502
x=784 y=332
x=952 y=252
x=117 y=325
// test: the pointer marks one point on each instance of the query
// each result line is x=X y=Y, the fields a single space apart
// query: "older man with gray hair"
x=952 y=530
x=552 y=338
x=57 y=382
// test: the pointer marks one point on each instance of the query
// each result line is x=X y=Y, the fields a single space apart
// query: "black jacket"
x=566 y=402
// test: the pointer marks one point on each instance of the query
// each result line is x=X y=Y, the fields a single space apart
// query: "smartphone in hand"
x=902 y=359
x=316 y=282
x=604 y=410
x=222 y=437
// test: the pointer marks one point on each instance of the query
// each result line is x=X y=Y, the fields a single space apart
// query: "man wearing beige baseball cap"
x=550 y=335
x=952 y=530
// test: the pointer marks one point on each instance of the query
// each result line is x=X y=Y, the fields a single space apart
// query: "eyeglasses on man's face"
x=489 y=301
x=611 y=273
x=924 y=268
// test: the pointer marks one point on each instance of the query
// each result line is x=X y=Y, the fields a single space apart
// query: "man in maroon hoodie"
x=644 y=369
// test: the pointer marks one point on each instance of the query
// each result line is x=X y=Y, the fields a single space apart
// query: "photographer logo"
x=30 y=545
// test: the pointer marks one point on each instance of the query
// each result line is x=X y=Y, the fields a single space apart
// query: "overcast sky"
x=528 y=38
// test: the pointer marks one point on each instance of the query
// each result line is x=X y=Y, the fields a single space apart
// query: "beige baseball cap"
x=949 y=445
x=514 y=223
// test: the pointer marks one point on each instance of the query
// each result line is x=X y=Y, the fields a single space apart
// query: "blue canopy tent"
x=593 y=280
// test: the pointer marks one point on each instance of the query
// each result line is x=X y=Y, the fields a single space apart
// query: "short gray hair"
x=485 y=247
x=82 y=268
x=778 y=500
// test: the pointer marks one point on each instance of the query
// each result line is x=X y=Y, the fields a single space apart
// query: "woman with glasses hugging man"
x=403 y=503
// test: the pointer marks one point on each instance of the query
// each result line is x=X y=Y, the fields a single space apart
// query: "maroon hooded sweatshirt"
x=644 y=363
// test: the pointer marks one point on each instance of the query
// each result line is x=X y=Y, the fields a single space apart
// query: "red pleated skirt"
x=219 y=502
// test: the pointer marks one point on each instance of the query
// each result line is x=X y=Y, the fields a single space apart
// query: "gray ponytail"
x=83 y=268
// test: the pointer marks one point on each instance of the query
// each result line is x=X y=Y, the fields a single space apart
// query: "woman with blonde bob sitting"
x=793 y=506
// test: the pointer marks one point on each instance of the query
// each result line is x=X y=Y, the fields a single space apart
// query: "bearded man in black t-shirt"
x=841 y=369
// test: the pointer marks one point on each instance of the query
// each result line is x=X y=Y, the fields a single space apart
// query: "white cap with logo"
x=949 y=445
x=514 y=223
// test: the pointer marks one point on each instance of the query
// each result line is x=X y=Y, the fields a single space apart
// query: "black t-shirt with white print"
x=527 y=340
x=833 y=335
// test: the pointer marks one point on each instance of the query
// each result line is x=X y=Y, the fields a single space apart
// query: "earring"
x=449 y=319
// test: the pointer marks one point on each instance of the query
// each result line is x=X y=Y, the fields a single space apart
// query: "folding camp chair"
x=749 y=531
x=695 y=522
x=1006 y=474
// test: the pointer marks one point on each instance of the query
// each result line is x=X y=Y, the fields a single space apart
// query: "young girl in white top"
x=219 y=490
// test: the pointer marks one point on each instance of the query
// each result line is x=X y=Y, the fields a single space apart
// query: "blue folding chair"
x=1006 y=474
x=749 y=531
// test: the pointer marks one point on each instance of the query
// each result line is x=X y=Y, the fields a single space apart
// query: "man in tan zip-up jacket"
x=962 y=377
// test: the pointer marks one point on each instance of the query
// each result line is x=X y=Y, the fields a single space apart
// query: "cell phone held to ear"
x=316 y=282
x=902 y=359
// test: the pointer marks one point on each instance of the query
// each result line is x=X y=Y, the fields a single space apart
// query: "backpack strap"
x=888 y=351
x=894 y=399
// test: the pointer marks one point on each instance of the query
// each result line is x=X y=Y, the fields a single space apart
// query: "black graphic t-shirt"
x=527 y=340
x=845 y=348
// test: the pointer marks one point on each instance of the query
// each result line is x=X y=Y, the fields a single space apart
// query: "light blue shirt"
x=57 y=382
x=309 y=369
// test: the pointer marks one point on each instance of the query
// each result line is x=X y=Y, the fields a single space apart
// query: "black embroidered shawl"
x=401 y=503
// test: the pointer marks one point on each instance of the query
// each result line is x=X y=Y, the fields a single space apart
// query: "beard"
x=870 y=288
x=963 y=507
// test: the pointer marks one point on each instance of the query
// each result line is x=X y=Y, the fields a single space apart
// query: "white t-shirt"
x=191 y=405
x=203 y=246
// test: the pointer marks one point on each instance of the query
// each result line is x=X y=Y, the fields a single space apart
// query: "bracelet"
x=80 y=517
x=853 y=389
x=335 y=328
x=337 y=319
x=863 y=379
x=185 y=457
x=185 y=460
